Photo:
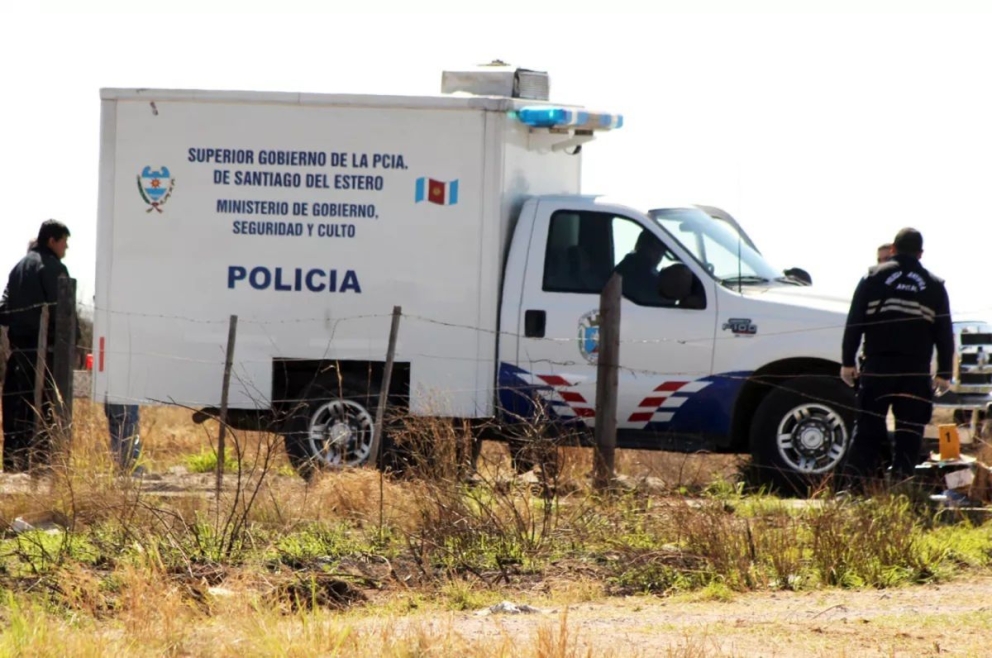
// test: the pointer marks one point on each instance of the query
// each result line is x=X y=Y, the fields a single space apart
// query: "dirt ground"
x=939 y=620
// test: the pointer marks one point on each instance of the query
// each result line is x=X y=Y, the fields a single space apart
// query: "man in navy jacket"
x=33 y=283
x=902 y=312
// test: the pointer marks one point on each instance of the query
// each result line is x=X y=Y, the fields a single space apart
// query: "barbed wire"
x=960 y=312
x=671 y=440
x=769 y=381
x=700 y=341
x=408 y=355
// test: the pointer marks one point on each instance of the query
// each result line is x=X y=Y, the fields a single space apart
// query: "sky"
x=822 y=127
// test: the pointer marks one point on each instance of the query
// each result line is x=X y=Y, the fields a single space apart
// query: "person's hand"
x=941 y=385
x=848 y=374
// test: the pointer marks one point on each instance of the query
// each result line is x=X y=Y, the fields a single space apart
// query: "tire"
x=801 y=432
x=528 y=455
x=331 y=427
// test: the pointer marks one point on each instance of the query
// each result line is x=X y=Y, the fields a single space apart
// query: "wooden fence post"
x=375 y=450
x=375 y=453
x=607 y=381
x=225 y=388
x=65 y=353
x=41 y=371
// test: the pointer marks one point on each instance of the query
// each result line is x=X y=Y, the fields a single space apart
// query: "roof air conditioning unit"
x=497 y=79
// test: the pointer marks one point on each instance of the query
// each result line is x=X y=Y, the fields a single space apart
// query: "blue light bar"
x=562 y=117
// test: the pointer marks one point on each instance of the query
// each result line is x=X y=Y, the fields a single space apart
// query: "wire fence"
x=324 y=319
x=737 y=373
x=552 y=376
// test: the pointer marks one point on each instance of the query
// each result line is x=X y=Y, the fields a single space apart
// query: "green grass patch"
x=206 y=462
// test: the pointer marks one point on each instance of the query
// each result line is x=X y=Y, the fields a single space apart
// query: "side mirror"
x=799 y=275
x=675 y=282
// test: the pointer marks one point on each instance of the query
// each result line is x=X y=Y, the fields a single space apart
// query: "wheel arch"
x=292 y=377
x=762 y=382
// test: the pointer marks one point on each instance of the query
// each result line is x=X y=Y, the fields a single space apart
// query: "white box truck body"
x=311 y=216
x=308 y=218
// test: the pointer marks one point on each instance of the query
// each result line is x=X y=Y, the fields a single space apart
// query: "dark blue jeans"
x=125 y=444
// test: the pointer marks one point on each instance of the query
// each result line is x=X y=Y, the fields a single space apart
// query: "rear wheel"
x=541 y=454
x=331 y=428
x=801 y=433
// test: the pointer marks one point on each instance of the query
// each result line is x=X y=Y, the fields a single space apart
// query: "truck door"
x=666 y=346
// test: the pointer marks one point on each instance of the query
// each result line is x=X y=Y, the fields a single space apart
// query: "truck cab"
x=724 y=352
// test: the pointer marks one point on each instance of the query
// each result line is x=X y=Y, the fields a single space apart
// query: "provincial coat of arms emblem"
x=155 y=187
x=589 y=336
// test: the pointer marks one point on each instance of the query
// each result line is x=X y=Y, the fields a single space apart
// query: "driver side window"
x=625 y=235
x=585 y=248
x=644 y=262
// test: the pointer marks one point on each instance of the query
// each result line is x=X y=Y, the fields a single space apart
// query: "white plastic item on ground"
x=506 y=607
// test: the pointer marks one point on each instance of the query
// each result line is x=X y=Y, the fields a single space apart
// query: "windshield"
x=716 y=246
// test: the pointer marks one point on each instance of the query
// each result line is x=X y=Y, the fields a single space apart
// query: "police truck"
x=311 y=216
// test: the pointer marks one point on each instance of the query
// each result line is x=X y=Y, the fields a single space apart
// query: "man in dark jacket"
x=884 y=253
x=639 y=270
x=903 y=313
x=32 y=284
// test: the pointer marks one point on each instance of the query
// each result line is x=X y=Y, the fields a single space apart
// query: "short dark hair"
x=887 y=245
x=647 y=239
x=908 y=241
x=51 y=228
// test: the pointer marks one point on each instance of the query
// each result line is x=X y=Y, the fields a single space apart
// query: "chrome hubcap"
x=812 y=438
x=340 y=433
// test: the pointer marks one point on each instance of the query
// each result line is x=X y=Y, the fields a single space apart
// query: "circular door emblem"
x=589 y=336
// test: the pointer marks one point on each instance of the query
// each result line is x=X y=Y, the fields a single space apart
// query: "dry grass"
x=349 y=564
x=169 y=436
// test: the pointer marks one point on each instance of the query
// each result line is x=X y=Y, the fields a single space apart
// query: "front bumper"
x=964 y=401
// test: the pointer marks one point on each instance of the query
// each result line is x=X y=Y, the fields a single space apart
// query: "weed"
x=205 y=461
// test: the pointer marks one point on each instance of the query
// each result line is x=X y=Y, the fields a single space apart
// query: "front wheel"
x=801 y=432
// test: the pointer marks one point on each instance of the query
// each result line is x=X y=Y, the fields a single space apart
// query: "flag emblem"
x=435 y=191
